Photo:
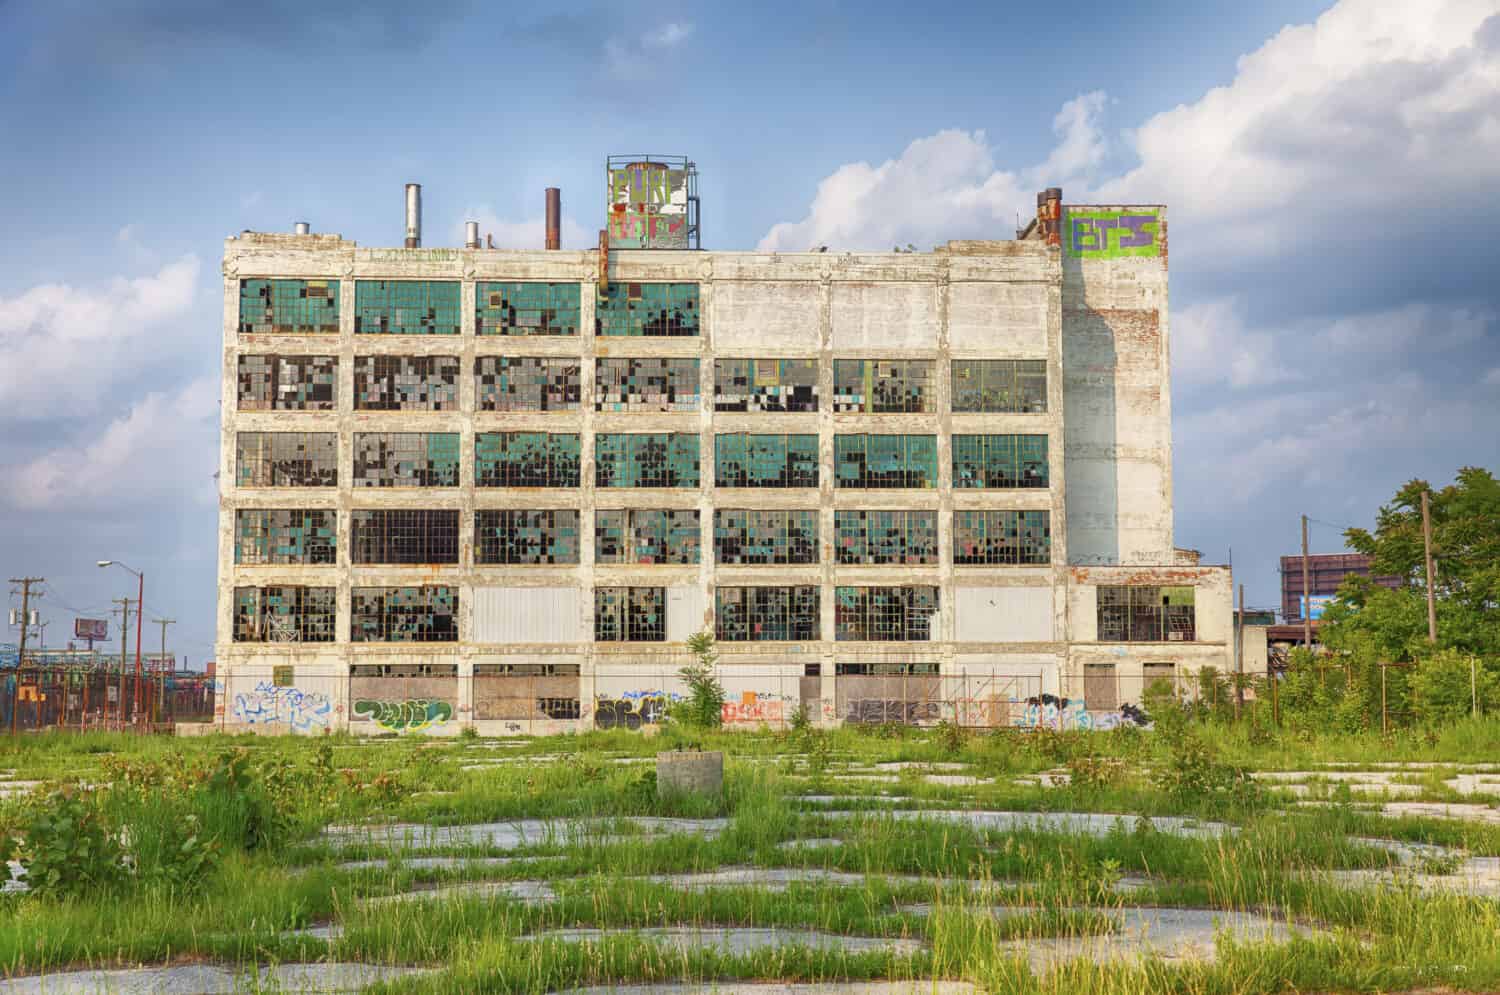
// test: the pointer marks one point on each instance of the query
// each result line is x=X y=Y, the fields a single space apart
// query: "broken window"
x=526 y=459
x=285 y=536
x=526 y=537
x=884 y=614
x=647 y=309
x=657 y=459
x=765 y=537
x=1146 y=614
x=766 y=385
x=288 y=383
x=406 y=383
x=767 y=614
x=286 y=459
x=745 y=460
x=876 y=386
x=401 y=535
x=1008 y=386
x=293 y=307
x=886 y=537
x=1002 y=538
x=406 y=459
x=404 y=615
x=526 y=308
x=646 y=385
x=1000 y=461
x=646 y=536
x=630 y=614
x=886 y=461
x=406 y=307
x=885 y=669
x=526 y=383
x=284 y=614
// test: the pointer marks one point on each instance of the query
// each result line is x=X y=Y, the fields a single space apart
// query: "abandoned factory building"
x=501 y=487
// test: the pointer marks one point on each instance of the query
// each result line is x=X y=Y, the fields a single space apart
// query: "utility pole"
x=1427 y=556
x=15 y=694
x=160 y=674
x=124 y=604
x=1239 y=658
x=1306 y=592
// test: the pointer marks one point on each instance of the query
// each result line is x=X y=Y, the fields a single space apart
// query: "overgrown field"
x=1174 y=860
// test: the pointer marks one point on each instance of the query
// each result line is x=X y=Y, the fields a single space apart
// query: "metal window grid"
x=885 y=461
x=749 y=460
x=767 y=614
x=293 y=307
x=630 y=614
x=526 y=308
x=1000 y=461
x=526 y=537
x=1007 y=386
x=647 y=309
x=406 y=459
x=886 y=537
x=406 y=307
x=879 y=386
x=404 y=615
x=655 y=459
x=1002 y=538
x=406 y=383
x=526 y=383
x=646 y=385
x=789 y=385
x=287 y=383
x=284 y=614
x=744 y=536
x=1146 y=614
x=285 y=536
x=884 y=614
x=646 y=536
x=401 y=535
x=526 y=459
x=286 y=459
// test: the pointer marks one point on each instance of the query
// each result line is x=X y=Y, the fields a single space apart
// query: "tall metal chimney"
x=302 y=228
x=414 y=215
x=554 y=218
x=471 y=234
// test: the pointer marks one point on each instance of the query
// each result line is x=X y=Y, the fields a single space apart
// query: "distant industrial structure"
x=1325 y=573
x=502 y=487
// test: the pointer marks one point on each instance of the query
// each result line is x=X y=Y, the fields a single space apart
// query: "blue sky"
x=1333 y=173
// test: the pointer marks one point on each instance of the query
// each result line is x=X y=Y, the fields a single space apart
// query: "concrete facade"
x=1007 y=641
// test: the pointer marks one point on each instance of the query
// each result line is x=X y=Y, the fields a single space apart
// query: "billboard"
x=91 y=628
x=649 y=202
x=1313 y=607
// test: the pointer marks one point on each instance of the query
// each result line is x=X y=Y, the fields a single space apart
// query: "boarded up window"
x=526 y=383
x=526 y=308
x=765 y=385
x=1101 y=691
x=1152 y=673
x=646 y=535
x=886 y=537
x=406 y=383
x=406 y=307
x=1002 y=538
x=286 y=459
x=886 y=461
x=521 y=691
x=292 y=307
x=1000 y=461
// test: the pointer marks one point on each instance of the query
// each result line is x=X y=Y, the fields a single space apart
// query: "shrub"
x=67 y=848
x=1446 y=688
x=704 y=707
x=1096 y=773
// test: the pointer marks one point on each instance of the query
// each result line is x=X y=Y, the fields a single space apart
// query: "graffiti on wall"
x=647 y=206
x=1101 y=234
x=875 y=711
x=754 y=707
x=301 y=711
x=1051 y=712
x=632 y=709
x=410 y=715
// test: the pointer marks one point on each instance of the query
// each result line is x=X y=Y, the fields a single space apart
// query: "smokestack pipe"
x=302 y=228
x=414 y=215
x=471 y=234
x=554 y=218
x=1049 y=215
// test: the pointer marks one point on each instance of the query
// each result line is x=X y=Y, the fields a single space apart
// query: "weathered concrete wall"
x=1100 y=325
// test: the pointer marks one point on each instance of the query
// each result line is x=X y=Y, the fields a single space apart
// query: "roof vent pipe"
x=414 y=215
x=554 y=218
x=471 y=234
x=301 y=228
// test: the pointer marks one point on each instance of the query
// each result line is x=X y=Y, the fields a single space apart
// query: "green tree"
x=704 y=707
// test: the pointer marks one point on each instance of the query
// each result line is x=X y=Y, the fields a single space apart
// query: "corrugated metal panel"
x=685 y=606
x=1003 y=614
x=527 y=615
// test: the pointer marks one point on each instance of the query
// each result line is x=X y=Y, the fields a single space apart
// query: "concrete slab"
x=209 y=979
x=955 y=779
x=530 y=892
x=515 y=834
x=920 y=986
x=810 y=844
x=1476 y=876
x=736 y=940
x=1440 y=810
x=436 y=863
x=920 y=765
x=1046 y=779
x=1091 y=823
x=11 y=789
